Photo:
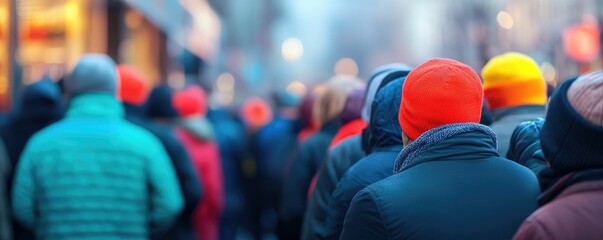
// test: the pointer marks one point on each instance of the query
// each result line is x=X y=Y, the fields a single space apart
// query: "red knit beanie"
x=439 y=92
x=256 y=112
x=133 y=87
x=190 y=101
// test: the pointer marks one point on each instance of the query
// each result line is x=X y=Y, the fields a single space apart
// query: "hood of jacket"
x=41 y=100
x=384 y=130
x=95 y=105
x=377 y=80
x=199 y=127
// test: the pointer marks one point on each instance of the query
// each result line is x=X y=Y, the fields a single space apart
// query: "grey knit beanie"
x=94 y=73
x=586 y=97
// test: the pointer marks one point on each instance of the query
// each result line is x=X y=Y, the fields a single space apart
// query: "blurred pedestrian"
x=196 y=134
x=385 y=144
x=343 y=155
x=571 y=141
x=5 y=216
x=273 y=145
x=39 y=105
x=133 y=92
x=515 y=91
x=92 y=174
x=311 y=154
x=448 y=182
x=351 y=122
x=230 y=137
x=305 y=113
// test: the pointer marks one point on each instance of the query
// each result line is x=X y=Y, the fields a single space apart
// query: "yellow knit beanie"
x=513 y=79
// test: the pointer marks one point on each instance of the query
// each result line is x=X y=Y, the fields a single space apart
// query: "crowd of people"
x=431 y=152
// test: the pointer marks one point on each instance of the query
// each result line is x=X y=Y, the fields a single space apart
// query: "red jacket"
x=206 y=159
x=575 y=213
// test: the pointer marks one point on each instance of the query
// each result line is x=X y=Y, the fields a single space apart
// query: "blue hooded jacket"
x=385 y=144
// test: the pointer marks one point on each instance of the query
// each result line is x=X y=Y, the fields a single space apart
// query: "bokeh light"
x=549 y=73
x=505 y=20
x=346 y=66
x=292 y=49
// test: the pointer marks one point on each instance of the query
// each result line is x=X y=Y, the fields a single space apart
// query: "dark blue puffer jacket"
x=525 y=147
x=385 y=144
x=39 y=106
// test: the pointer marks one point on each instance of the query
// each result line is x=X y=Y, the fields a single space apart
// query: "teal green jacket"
x=93 y=175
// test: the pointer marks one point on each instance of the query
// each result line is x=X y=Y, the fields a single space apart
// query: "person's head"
x=572 y=134
x=436 y=93
x=94 y=73
x=159 y=104
x=331 y=99
x=190 y=102
x=256 y=113
x=133 y=87
x=353 y=105
x=513 y=79
x=380 y=77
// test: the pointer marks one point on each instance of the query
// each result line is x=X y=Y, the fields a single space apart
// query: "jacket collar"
x=97 y=105
x=518 y=110
x=572 y=183
x=459 y=141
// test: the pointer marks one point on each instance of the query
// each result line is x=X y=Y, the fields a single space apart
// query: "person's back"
x=494 y=200
x=515 y=91
x=92 y=174
x=448 y=182
x=196 y=135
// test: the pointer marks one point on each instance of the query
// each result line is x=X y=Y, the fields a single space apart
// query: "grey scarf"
x=435 y=136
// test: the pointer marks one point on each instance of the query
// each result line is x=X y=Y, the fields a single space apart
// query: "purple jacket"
x=574 y=213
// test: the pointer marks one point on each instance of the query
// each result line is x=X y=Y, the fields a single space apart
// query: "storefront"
x=6 y=25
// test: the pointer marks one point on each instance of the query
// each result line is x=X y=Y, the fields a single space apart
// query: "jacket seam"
x=375 y=201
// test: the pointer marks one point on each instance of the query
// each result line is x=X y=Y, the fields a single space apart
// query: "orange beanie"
x=133 y=87
x=256 y=112
x=513 y=79
x=439 y=92
x=190 y=101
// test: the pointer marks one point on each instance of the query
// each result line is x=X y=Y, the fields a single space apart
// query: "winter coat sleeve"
x=341 y=198
x=364 y=220
x=297 y=182
x=525 y=146
x=166 y=198
x=192 y=189
x=24 y=189
x=328 y=177
x=295 y=189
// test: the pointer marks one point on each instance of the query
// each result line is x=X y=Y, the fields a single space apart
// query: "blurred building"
x=47 y=37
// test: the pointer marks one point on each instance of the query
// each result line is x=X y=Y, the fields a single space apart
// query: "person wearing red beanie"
x=195 y=133
x=133 y=91
x=448 y=182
